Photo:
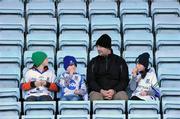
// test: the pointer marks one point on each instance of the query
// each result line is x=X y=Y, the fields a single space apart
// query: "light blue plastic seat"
x=107 y=116
x=81 y=24
x=10 y=54
x=105 y=23
x=73 y=116
x=10 y=117
x=143 y=116
x=138 y=39
x=134 y=0
x=40 y=8
x=28 y=61
x=165 y=7
x=170 y=107
x=9 y=94
x=74 y=107
x=10 y=74
x=112 y=107
x=72 y=0
x=103 y=8
x=72 y=8
x=169 y=75
x=170 y=116
x=42 y=23
x=47 y=40
x=37 y=117
x=164 y=22
x=135 y=22
x=81 y=57
x=10 y=109
x=73 y=41
x=9 y=22
x=12 y=8
x=39 y=108
x=15 y=39
x=166 y=56
x=134 y=7
x=143 y=107
x=170 y=94
x=103 y=0
x=41 y=0
x=164 y=41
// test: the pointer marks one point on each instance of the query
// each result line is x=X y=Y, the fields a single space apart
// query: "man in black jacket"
x=107 y=73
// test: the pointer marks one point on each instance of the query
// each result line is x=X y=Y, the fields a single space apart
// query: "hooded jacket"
x=107 y=72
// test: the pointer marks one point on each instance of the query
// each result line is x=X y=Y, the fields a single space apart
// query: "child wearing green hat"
x=38 y=82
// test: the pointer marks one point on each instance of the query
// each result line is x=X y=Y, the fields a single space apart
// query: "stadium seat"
x=169 y=75
x=81 y=24
x=72 y=9
x=105 y=23
x=166 y=57
x=105 y=116
x=166 y=23
x=74 y=107
x=167 y=41
x=170 y=107
x=41 y=107
x=10 y=74
x=167 y=7
x=10 y=109
x=10 y=117
x=113 y=107
x=136 y=22
x=10 y=54
x=41 y=23
x=143 y=116
x=12 y=8
x=134 y=7
x=170 y=116
x=73 y=116
x=134 y=39
x=37 y=117
x=143 y=107
x=71 y=0
x=8 y=22
x=15 y=39
x=41 y=40
x=170 y=94
x=74 y=41
x=103 y=8
x=41 y=0
x=40 y=8
x=9 y=94
x=80 y=55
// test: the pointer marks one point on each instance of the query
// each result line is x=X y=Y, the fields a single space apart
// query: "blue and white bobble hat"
x=69 y=60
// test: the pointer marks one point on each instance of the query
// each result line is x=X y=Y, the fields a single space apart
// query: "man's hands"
x=107 y=94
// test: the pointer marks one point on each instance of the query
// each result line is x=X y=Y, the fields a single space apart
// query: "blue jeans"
x=70 y=98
